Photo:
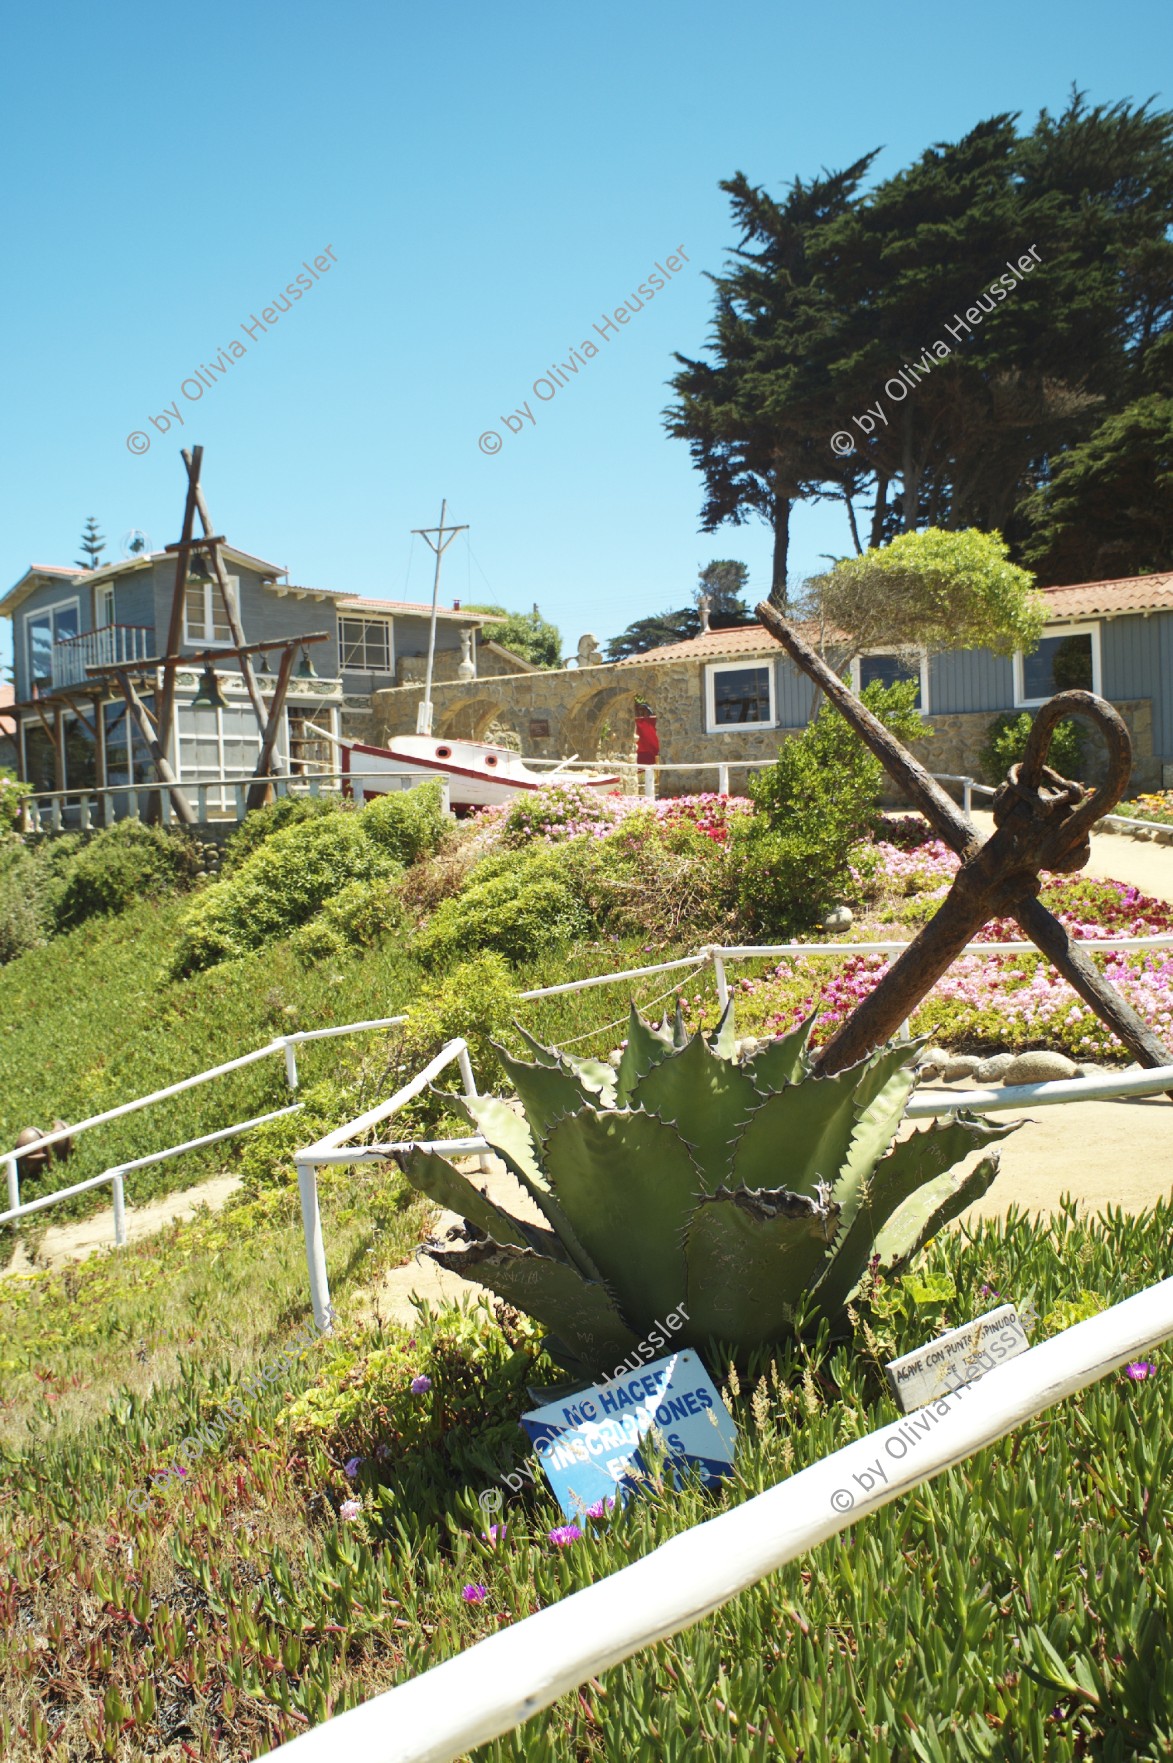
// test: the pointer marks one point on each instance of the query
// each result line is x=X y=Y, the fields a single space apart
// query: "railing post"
x=650 y=782
x=315 y=785
x=13 y=1174
x=722 y=780
x=238 y=790
x=469 y=1084
x=202 y=803
x=315 y=1252
x=107 y=807
x=719 y=976
x=290 y=1064
x=55 y=814
x=168 y=809
x=119 y=1210
x=83 y=813
x=967 y=794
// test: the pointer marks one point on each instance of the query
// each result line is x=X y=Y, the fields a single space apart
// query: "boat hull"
x=479 y=776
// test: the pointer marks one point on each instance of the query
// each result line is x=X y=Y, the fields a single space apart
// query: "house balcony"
x=106 y=646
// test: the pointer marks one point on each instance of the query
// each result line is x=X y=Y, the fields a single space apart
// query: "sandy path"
x=73 y=1242
x=1116 y=857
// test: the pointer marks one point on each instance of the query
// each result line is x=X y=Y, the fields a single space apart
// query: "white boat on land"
x=478 y=775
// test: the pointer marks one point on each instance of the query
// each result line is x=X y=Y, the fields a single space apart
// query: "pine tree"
x=93 y=544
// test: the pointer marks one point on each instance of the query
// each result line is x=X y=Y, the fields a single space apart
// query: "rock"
x=746 y=1048
x=615 y=1057
x=839 y=918
x=936 y=1056
x=1038 y=1068
x=960 y=1065
x=990 y=1070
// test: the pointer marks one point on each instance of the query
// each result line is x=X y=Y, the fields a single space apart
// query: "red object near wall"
x=647 y=747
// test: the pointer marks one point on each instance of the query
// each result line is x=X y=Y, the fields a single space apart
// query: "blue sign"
x=589 y=1445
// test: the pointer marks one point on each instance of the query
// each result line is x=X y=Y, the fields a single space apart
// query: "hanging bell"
x=209 y=695
x=197 y=570
x=305 y=667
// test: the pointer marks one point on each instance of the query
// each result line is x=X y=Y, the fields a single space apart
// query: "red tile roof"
x=746 y=639
x=1136 y=593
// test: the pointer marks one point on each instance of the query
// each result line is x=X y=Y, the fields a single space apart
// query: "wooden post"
x=166 y=701
x=151 y=736
x=258 y=790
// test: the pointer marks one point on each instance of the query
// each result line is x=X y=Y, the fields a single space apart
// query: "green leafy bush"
x=1005 y=744
x=128 y=861
x=652 y=877
x=281 y=886
x=407 y=824
x=516 y=903
x=262 y=823
x=359 y=917
x=26 y=915
x=791 y=859
x=12 y=794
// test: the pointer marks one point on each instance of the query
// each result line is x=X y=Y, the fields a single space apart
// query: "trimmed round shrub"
x=515 y=904
x=125 y=863
x=407 y=824
x=1005 y=745
x=262 y=823
x=360 y=917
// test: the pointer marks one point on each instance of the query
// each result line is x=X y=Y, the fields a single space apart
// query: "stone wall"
x=590 y=711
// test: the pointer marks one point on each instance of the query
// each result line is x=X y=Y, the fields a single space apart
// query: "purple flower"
x=562 y=1534
x=600 y=1508
x=474 y=1594
x=494 y=1534
x=352 y=1467
x=1139 y=1370
x=350 y=1509
x=419 y=1385
x=989 y=1292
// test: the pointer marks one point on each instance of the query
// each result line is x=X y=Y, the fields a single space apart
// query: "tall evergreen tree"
x=93 y=544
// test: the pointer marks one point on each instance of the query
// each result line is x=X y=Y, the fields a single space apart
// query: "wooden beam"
x=187 y=546
x=193 y=462
x=162 y=765
x=59 y=750
x=90 y=728
x=259 y=790
x=223 y=653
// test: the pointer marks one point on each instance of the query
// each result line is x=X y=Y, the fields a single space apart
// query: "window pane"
x=1058 y=665
x=40 y=634
x=193 y=612
x=350 y=639
x=64 y=623
x=888 y=670
x=366 y=645
x=741 y=695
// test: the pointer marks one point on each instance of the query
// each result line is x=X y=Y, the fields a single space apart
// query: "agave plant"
x=751 y=1191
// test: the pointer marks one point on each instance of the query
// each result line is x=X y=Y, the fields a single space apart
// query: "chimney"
x=456 y=605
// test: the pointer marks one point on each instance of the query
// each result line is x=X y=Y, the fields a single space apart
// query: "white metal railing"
x=103 y=647
x=492 y=1687
x=215 y=799
x=115 y=1173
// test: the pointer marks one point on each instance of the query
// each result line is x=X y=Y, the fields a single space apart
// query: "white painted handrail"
x=504 y=1680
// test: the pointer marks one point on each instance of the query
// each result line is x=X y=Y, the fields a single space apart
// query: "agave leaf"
x=874 y=1132
x=547 y=1091
x=909 y=1165
x=707 y=1099
x=724 y=1037
x=783 y=1061
x=750 y=1256
x=929 y=1210
x=595 y=1075
x=513 y=1142
x=679 y=1028
x=629 y=1185
x=434 y=1175
x=543 y=1055
x=581 y=1311
x=644 y=1049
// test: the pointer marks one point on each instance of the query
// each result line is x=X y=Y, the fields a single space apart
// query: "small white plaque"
x=961 y=1356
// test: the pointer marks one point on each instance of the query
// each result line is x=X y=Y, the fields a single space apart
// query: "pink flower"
x=563 y=1534
x=474 y=1594
x=1139 y=1370
x=419 y=1385
x=350 y=1509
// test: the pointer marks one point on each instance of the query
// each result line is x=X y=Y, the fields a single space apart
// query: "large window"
x=104 y=605
x=887 y=667
x=739 y=696
x=52 y=624
x=203 y=613
x=365 y=644
x=1064 y=659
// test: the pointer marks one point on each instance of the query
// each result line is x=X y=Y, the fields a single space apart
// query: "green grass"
x=1017 y=1607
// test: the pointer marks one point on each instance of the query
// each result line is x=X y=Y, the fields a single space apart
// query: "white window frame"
x=922 y=658
x=1088 y=629
x=210 y=589
x=361 y=618
x=104 y=601
x=39 y=612
x=713 y=668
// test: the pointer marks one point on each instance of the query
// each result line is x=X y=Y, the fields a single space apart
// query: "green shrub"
x=281 y=886
x=26 y=915
x=128 y=861
x=12 y=794
x=516 y=903
x=1005 y=745
x=358 y=917
x=562 y=810
x=656 y=879
x=477 y=1000
x=262 y=823
x=407 y=824
x=791 y=859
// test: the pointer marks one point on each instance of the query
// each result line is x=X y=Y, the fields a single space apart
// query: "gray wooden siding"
x=263 y=613
x=794 y=695
x=134 y=601
x=969 y=679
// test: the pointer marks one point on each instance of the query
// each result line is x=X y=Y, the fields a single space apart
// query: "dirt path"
x=73 y=1242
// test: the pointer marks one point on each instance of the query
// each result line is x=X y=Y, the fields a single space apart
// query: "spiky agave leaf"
x=435 y=1176
x=920 y=1218
x=707 y=1098
x=644 y=1049
x=581 y=1312
x=750 y=1257
x=782 y=1061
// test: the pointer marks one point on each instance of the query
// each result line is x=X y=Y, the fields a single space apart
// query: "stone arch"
x=470 y=718
x=601 y=724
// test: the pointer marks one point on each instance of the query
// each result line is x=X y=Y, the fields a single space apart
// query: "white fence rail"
x=215 y=799
x=504 y=1680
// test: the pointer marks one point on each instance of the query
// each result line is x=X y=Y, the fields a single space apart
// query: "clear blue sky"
x=492 y=180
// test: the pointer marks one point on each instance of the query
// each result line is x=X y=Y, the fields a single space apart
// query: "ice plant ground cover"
x=1153 y=805
x=280 y=1588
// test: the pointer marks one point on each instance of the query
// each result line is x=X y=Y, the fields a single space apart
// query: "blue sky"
x=492 y=181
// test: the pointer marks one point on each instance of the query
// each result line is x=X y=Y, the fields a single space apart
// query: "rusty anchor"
x=1041 y=821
